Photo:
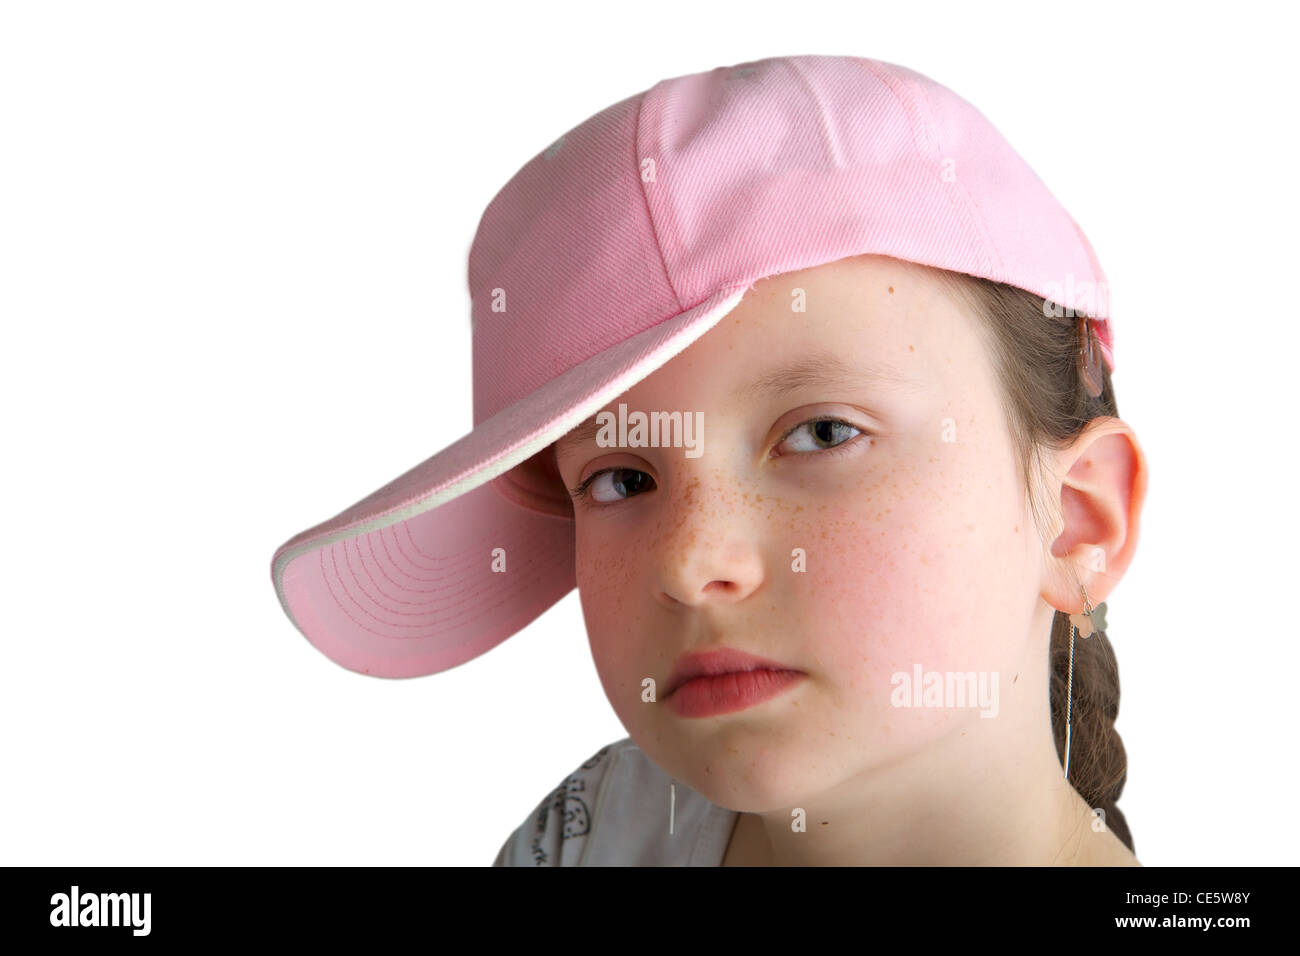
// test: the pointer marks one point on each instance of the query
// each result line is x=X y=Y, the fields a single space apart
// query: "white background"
x=233 y=243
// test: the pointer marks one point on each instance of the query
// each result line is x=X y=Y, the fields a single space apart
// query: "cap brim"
x=439 y=565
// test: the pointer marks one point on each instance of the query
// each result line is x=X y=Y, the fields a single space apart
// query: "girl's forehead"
x=774 y=345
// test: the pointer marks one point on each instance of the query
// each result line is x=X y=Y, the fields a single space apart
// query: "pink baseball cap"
x=608 y=254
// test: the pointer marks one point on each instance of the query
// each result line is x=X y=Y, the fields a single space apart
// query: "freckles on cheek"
x=615 y=625
x=604 y=572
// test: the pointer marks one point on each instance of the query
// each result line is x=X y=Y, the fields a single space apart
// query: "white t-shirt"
x=613 y=811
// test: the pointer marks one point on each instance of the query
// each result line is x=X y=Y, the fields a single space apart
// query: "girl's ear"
x=1102 y=492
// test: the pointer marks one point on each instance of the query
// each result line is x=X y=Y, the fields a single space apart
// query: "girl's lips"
x=728 y=693
x=715 y=663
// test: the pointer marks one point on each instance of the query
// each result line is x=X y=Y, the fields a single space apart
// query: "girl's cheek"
x=887 y=592
x=621 y=662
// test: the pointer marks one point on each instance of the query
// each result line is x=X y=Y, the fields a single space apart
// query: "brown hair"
x=1035 y=347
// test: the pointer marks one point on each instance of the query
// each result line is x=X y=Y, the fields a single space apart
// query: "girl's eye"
x=620 y=479
x=824 y=430
x=611 y=483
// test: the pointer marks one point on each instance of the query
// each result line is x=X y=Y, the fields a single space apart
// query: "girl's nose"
x=710 y=551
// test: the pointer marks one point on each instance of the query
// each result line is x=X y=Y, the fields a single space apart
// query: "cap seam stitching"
x=974 y=211
x=645 y=198
x=962 y=201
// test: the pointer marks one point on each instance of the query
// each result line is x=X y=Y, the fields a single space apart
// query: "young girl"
x=802 y=377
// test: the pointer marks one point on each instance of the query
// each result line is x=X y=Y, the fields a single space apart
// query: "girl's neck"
x=938 y=808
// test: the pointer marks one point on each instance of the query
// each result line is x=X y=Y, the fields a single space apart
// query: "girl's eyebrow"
x=823 y=370
x=820 y=370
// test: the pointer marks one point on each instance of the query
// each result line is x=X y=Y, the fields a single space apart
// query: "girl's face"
x=851 y=554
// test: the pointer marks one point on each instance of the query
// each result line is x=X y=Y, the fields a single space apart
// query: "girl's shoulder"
x=614 y=810
x=555 y=833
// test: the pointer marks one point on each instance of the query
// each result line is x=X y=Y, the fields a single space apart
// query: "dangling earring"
x=672 y=803
x=1092 y=619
